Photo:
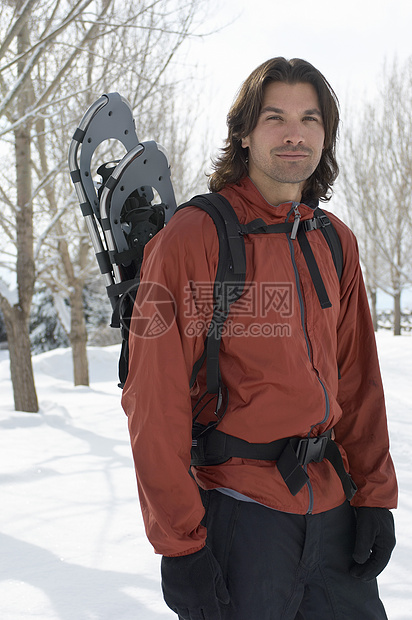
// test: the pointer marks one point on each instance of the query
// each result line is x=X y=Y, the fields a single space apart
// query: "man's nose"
x=293 y=134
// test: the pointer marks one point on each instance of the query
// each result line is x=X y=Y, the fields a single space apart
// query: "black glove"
x=193 y=585
x=375 y=540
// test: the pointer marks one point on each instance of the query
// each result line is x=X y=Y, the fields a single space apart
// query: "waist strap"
x=213 y=447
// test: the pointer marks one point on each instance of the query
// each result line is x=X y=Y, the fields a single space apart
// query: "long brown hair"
x=231 y=165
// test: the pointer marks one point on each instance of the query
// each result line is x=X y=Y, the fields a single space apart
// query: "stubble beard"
x=293 y=172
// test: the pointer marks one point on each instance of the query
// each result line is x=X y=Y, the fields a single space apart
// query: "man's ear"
x=245 y=142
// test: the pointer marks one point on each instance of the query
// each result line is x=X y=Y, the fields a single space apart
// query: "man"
x=256 y=548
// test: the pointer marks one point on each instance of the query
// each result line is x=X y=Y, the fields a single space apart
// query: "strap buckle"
x=324 y=220
x=311 y=450
x=320 y=221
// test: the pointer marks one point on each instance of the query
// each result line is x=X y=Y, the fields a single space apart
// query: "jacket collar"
x=250 y=204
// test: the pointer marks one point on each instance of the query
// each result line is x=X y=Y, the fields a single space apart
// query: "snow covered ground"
x=72 y=544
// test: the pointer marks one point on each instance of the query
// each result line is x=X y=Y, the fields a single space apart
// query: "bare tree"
x=58 y=57
x=16 y=316
x=361 y=197
x=376 y=157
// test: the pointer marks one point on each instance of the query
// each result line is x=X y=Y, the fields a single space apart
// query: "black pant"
x=280 y=566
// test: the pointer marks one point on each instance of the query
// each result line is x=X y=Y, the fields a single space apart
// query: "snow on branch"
x=8 y=294
x=16 y=26
x=63 y=311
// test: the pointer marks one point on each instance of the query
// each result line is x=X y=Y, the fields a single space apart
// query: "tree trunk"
x=397 y=314
x=373 y=298
x=21 y=370
x=17 y=317
x=78 y=337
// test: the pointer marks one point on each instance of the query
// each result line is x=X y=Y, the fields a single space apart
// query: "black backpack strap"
x=290 y=453
x=332 y=239
x=229 y=282
x=322 y=222
x=313 y=269
x=319 y=221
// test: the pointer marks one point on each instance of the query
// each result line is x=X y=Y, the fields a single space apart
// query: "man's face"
x=286 y=145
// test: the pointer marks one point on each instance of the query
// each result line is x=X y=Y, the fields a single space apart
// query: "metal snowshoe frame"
x=120 y=216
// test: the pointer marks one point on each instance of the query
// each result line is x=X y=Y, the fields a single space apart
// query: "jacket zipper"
x=291 y=237
x=296 y=221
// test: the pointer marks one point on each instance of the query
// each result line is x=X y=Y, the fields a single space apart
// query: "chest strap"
x=320 y=221
x=290 y=453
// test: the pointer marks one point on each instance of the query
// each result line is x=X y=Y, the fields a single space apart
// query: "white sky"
x=347 y=40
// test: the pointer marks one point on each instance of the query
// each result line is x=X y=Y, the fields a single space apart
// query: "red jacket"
x=281 y=358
